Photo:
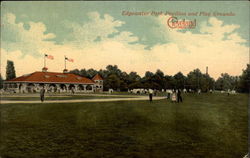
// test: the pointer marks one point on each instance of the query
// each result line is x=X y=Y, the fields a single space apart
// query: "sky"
x=97 y=34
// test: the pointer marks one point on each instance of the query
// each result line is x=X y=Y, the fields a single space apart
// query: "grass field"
x=204 y=126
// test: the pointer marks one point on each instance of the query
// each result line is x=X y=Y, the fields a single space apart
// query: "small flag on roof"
x=49 y=56
x=70 y=60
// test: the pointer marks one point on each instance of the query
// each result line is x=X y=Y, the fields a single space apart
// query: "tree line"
x=120 y=80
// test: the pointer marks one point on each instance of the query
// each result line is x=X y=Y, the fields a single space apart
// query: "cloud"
x=216 y=45
x=95 y=27
x=98 y=42
x=32 y=41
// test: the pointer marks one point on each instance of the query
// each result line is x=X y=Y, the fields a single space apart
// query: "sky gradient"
x=96 y=34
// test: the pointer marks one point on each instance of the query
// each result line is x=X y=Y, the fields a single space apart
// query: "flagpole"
x=64 y=62
x=44 y=61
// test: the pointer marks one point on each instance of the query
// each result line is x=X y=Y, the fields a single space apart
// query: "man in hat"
x=42 y=94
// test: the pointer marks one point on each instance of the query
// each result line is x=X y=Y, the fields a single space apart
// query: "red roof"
x=97 y=77
x=52 y=77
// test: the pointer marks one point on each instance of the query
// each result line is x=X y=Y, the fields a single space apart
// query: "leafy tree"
x=193 y=79
x=91 y=73
x=197 y=80
x=75 y=71
x=179 y=80
x=119 y=80
x=136 y=84
x=10 y=70
x=159 y=73
x=133 y=77
x=1 y=82
x=147 y=80
x=113 y=70
x=209 y=82
x=149 y=75
x=123 y=85
x=225 y=82
x=112 y=81
x=103 y=73
x=83 y=72
x=244 y=80
x=170 y=82
x=158 y=80
x=124 y=81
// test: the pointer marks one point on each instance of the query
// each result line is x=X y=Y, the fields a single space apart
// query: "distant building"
x=98 y=83
x=54 y=82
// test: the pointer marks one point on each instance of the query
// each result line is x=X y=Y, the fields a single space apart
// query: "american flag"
x=49 y=56
x=70 y=60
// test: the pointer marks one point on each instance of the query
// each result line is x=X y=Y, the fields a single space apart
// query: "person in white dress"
x=173 y=97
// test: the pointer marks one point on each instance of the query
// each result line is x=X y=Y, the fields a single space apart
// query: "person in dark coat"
x=179 y=98
x=150 y=95
x=42 y=94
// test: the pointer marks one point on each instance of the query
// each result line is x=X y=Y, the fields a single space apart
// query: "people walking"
x=179 y=97
x=173 y=97
x=150 y=95
x=42 y=94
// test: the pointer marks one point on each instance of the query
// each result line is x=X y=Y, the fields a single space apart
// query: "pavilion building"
x=54 y=82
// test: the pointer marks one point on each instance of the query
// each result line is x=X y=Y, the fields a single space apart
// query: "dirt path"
x=79 y=100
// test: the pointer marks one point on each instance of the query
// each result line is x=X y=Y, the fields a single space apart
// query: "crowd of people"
x=174 y=95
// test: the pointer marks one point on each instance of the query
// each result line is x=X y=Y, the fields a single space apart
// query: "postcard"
x=124 y=79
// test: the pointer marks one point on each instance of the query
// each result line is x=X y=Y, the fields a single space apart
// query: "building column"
x=21 y=88
x=46 y=87
x=67 y=87
x=76 y=87
x=37 y=88
x=84 y=88
x=58 y=89
x=18 y=90
x=25 y=85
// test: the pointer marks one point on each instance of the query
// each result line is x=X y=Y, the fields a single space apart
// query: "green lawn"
x=204 y=126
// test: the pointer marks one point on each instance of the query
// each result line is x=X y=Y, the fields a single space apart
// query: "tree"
x=225 y=82
x=103 y=73
x=113 y=70
x=10 y=70
x=83 y=73
x=193 y=79
x=1 y=82
x=124 y=78
x=170 y=82
x=244 y=80
x=158 y=80
x=75 y=71
x=180 y=80
x=197 y=80
x=112 y=81
x=91 y=73
x=149 y=75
